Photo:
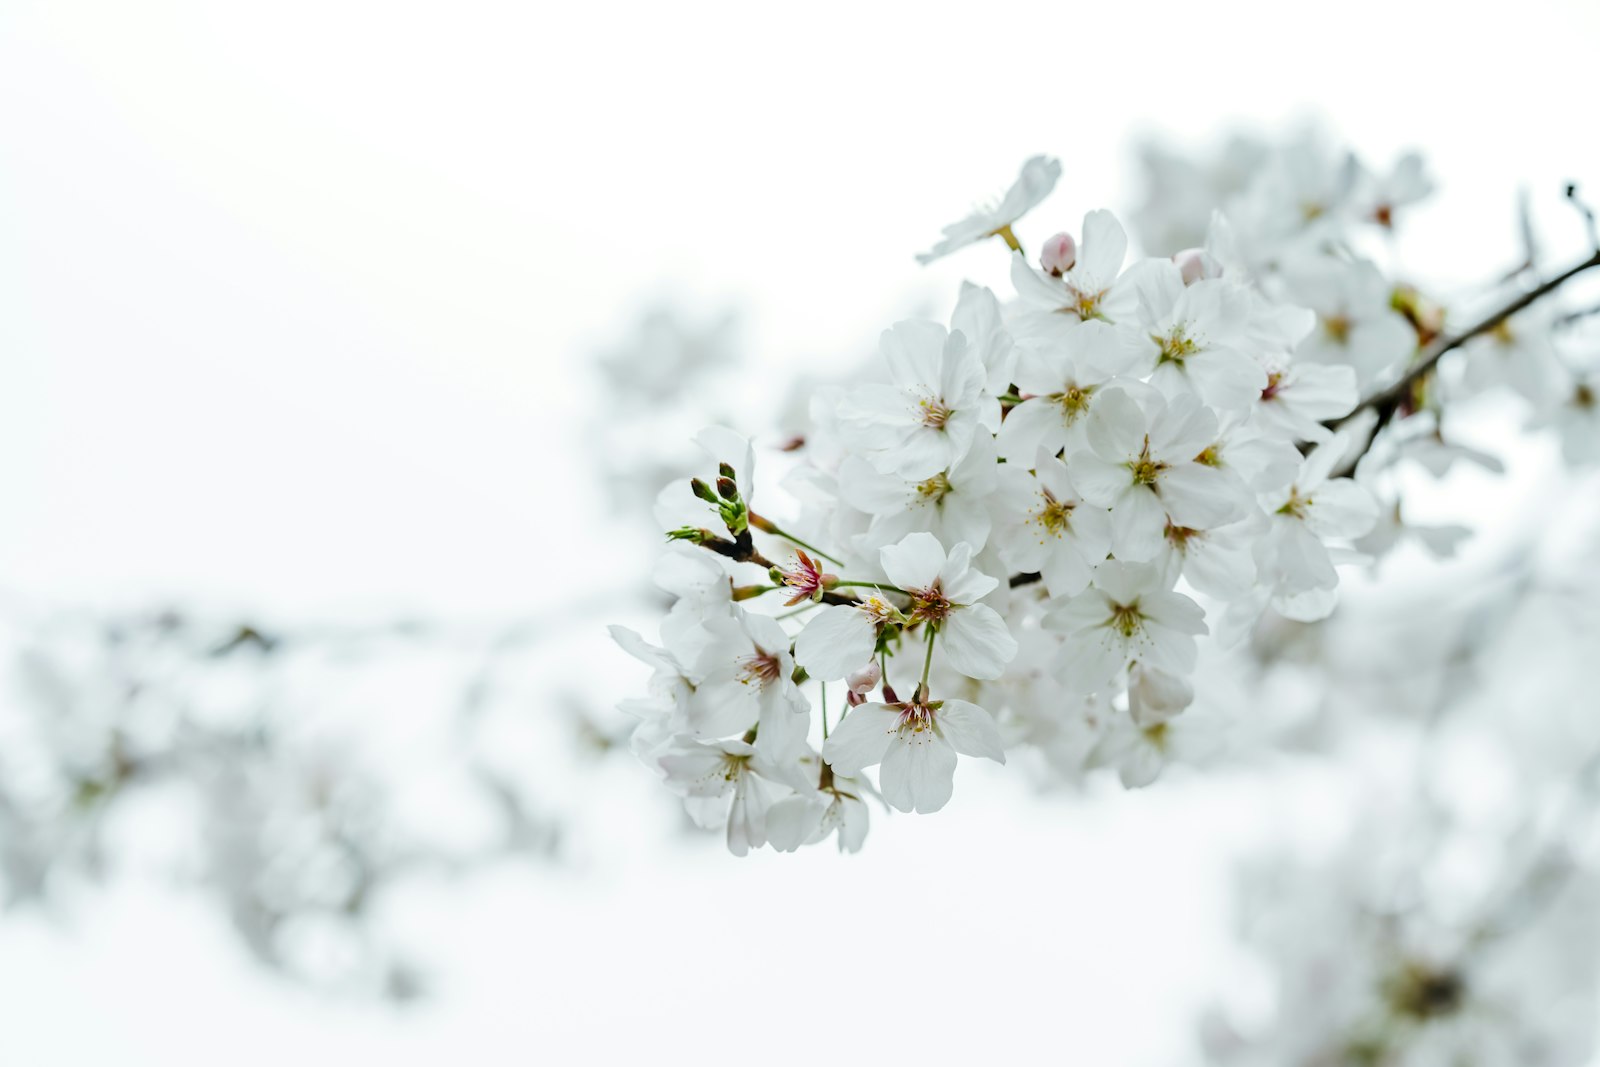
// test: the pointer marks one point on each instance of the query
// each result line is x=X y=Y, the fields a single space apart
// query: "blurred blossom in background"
x=349 y=346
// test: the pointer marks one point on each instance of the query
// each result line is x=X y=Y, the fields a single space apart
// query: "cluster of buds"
x=725 y=498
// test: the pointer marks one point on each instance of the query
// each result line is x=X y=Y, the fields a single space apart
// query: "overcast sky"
x=295 y=300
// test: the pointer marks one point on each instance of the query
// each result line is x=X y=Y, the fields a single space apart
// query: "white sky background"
x=295 y=300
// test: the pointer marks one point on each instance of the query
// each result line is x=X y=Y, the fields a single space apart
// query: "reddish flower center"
x=930 y=605
x=763 y=668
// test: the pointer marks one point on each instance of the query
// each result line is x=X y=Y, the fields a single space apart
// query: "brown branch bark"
x=1387 y=401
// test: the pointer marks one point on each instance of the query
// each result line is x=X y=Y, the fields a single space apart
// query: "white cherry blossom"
x=1090 y=290
x=726 y=784
x=1142 y=464
x=745 y=680
x=1195 y=338
x=917 y=745
x=925 y=421
x=1313 y=510
x=1058 y=383
x=952 y=505
x=1517 y=354
x=1038 y=177
x=1356 y=326
x=945 y=592
x=840 y=638
x=1043 y=525
x=1127 y=616
x=1299 y=397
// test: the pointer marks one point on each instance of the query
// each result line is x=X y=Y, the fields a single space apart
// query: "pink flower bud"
x=865 y=680
x=1059 y=255
x=1196 y=264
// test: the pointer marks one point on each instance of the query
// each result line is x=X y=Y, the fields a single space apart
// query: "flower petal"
x=970 y=730
x=861 y=738
x=975 y=641
x=918 y=773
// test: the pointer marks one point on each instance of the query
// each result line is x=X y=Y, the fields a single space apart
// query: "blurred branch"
x=1588 y=215
x=1386 y=402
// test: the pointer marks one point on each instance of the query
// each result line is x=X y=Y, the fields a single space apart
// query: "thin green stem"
x=927 y=664
x=824 y=702
x=1005 y=234
x=873 y=585
x=763 y=523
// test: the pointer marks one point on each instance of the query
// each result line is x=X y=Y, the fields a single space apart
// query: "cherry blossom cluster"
x=1025 y=524
x=1384 y=953
x=293 y=826
x=1051 y=499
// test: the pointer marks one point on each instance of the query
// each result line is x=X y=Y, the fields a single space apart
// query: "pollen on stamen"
x=934 y=489
x=761 y=669
x=930 y=605
x=1296 y=505
x=1074 y=401
x=915 y=719
x=1176 y=346
x=1056 y=515
x=934 y=412
x=1126 y=620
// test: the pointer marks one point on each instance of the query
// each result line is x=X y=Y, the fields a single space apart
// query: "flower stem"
x=927 y=665
x=873 y=585
x=766 y=525
x=1005 y=234
x=824 y=701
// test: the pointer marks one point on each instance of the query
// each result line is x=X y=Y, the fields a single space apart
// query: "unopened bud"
x=854 y=699
x=691 y=534
x=865 y=680
x=1196 y=264
x=726 y=489
x=726 y=471
x=703 y=491
x=1059 y=255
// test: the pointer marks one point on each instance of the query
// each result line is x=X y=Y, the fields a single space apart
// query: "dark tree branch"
x=1386 y=402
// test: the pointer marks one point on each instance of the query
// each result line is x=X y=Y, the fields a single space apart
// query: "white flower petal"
x=974 y=641
x=970 y=730
x=861 y=738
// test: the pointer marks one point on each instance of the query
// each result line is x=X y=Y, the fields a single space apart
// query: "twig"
x=1587 y=212
x=1571 y=318
x=1386 y=402
x=743 y=550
